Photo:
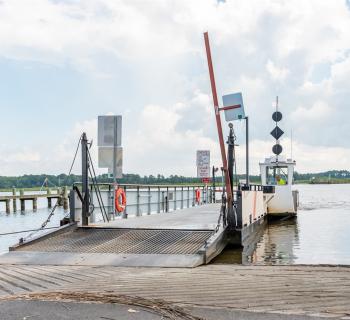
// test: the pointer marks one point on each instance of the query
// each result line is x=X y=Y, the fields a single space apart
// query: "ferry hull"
x=284 y=202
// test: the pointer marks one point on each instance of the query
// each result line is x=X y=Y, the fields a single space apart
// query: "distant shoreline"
x=218 y=185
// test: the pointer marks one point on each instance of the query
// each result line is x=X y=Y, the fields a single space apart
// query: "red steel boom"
x=218 y=119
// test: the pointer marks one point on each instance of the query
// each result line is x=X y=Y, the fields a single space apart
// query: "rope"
x=43 y=225
x=45 y=180
x=97 y=190
x=75 y=155
x=23 y=231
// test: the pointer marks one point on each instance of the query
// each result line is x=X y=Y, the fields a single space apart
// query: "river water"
x=319 y=235
x=27 y=220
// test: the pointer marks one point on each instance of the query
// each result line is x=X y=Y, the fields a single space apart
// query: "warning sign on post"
x=203 y=163
x=203 y=172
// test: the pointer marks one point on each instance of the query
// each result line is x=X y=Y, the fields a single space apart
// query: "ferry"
x=278 y=172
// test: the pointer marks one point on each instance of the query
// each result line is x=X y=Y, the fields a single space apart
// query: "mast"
x=85 y=180
x=218 y=119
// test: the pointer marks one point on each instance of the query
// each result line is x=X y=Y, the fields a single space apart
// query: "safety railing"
x=148 y=199
x=251 y=187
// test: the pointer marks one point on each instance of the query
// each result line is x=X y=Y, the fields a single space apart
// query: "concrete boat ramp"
x=183 y=238
x=210 y=292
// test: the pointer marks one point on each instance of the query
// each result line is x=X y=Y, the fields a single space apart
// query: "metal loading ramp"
x=119 y=247
x=123 y=241
x=185 y=238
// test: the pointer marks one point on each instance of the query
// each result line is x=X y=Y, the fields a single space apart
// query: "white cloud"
x=318 y=112
x=276 y=73
x=25 y=156
x=263 y=48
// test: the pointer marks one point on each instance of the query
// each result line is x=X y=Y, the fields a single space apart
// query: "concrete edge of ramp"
x=103 y=259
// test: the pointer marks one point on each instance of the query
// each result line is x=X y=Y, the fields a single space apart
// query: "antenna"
x=291 y=143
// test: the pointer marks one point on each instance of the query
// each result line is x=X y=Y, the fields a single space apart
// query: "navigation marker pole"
x=247 y=150
x=277 y=132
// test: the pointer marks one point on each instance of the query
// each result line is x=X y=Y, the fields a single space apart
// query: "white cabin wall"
x=252 y=204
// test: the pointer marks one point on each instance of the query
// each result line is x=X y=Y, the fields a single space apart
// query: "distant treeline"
x=36 y=181
x=332 y=176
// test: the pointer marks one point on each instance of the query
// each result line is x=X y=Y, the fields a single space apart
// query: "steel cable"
x=43 y=225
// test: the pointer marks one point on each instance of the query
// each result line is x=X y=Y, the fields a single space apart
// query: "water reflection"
x=319 y=234
x=275 y=245
x=314 y=237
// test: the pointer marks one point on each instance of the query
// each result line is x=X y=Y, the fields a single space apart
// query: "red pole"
x=217 y=116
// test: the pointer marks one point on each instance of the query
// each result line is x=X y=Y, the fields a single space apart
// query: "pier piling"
x=14 y=193
x=62 y=199
x=21 y=194
x=49 y=202
x=59 y=199
x=7 y=206
x=65 y=198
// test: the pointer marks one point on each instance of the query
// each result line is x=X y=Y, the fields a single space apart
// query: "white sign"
x=203 y=158
x=203 y=172
x=203 y=163
x=233 y=100
x=105 y=159
x=109 y=132
x=109 y=139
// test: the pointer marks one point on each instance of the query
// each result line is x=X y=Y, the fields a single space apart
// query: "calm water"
x=23 y=221
x=319 y=235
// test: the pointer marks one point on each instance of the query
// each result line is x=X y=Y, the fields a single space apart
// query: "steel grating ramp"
x=122 y=241
x=119 y=247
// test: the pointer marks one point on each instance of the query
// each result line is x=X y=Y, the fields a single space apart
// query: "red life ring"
x=198 y=196
x=120 y=193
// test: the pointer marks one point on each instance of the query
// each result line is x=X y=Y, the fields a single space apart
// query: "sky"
x=64 y=62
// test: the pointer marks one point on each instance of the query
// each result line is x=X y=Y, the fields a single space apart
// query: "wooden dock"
x=61 y=196
x=286 y=290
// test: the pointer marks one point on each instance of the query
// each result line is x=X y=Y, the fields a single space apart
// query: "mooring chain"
x=44 y=224
x=222 y=216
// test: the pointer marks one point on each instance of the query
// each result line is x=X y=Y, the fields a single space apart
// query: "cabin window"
x=277 y=175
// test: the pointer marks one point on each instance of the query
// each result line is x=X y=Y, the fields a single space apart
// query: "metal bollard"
x=149 y=201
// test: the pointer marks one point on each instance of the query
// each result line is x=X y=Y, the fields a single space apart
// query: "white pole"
x=114 y=163
x=291 y=144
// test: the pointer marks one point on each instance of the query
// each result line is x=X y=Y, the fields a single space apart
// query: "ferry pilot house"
x=277 y=175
